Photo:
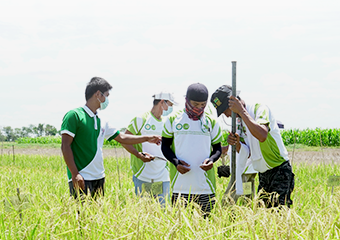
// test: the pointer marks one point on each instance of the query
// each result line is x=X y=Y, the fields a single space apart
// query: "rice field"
x=47 y=212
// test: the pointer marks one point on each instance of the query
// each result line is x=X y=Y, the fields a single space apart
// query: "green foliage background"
x=309 y=137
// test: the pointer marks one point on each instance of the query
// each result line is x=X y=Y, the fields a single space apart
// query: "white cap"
x=165 y=96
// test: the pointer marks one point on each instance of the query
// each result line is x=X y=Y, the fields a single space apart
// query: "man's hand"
x=207 y=165
x=225 y=150
x=155 y=139
x=183 y=167
x=145 y=157
x=78 y=182
x=235 y=105
x=234 y=139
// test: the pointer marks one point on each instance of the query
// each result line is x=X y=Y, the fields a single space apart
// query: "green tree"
x=9 y=133
x=18 y=133
x=41 y=129
x=38 y=130
x=26 y=131
x=2 y=136
x=50 y=130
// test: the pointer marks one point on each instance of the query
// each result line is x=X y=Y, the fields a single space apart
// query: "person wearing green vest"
x=83 y=134
x=267 y=152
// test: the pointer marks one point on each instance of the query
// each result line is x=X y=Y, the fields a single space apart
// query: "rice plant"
x=52 y=214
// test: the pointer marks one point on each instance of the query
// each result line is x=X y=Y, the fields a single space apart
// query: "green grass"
x=52 y=214
x=54 y=141
x=9 y=145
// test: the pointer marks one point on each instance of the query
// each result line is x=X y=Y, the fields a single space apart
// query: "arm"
x=225 y=149
x=181 y=165
x=216 y=152
x=145 y=157
x=132 y=139
x=257 y=130
x=215 y=155
x=77 y=179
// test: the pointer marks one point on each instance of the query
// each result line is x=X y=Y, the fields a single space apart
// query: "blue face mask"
x=104 y=104
x=167 y=112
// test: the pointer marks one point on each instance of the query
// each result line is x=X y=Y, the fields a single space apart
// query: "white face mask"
x=167 y=112
x=104 y=104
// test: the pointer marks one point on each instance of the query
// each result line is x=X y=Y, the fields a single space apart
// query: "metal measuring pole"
x=233 y=130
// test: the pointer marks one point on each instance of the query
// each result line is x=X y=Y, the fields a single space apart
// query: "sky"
x=287 y=54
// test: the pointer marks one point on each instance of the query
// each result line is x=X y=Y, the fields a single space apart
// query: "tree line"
x=10 y=134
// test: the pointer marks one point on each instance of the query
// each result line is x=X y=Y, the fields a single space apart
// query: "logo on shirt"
x=179 y=126
x=185 y=126
x=148 y=127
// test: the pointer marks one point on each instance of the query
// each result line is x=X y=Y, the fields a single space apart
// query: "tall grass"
x=52 y=214
x=54 y=139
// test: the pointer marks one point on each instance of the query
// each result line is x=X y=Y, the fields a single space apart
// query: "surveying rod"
x=233 y=130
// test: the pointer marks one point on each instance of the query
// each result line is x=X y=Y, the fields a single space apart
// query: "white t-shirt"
x=156 y=170
x=192 y=141
x=272 y=152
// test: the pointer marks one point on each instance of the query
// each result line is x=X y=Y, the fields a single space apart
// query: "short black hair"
x=95 y=84
x=156 y=101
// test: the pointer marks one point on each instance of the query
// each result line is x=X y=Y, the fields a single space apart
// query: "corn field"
x=309 y=137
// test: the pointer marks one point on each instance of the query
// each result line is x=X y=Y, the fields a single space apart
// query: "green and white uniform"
x=192 y=141
x=154 y=171
x=88 y=134
x=272 y=152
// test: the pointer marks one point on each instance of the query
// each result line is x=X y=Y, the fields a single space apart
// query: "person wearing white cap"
x=149 y=166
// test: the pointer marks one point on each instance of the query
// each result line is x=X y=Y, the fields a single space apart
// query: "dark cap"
x=220 y=98
x=197 y=92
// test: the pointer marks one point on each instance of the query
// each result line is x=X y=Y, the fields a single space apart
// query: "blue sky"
x=287 y=54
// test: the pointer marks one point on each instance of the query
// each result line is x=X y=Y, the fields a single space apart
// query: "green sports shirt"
x=88 y=132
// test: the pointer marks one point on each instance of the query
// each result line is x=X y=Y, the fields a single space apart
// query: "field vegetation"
x=47 y=211
x=308 y=137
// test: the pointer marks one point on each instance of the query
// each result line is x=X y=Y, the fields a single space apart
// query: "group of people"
x=176 y=152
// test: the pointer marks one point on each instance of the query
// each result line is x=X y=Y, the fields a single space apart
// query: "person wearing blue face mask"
x=82 y=138
x=148 y=164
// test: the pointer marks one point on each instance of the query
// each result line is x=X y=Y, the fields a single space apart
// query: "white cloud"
x=49 y=48
x=330 y=61
x=309 y=58
x=290 y=31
